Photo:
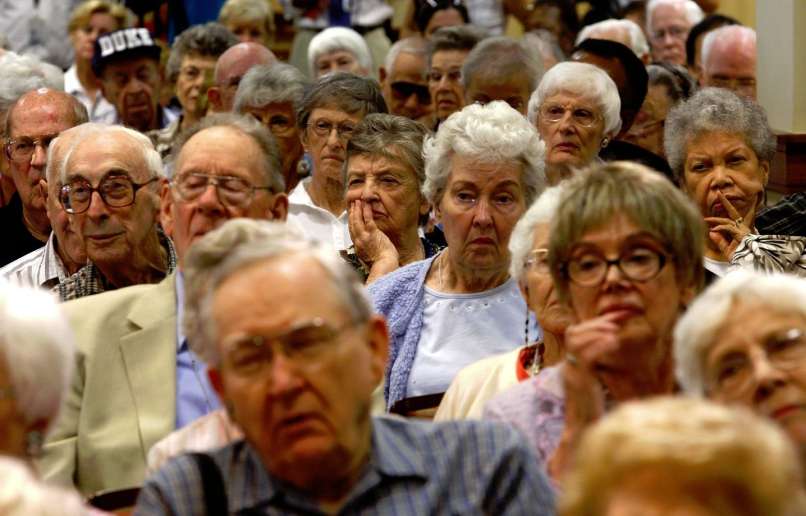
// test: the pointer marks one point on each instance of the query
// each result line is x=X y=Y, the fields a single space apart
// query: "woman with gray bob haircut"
x=36 y=365
x=743 y=341
x=339 y=49
x=483 y=168
x=575 y=108
x=720 y=148
x=272 y=94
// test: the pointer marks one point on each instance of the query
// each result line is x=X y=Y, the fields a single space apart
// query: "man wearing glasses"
x=140 y=380
x=32 y=122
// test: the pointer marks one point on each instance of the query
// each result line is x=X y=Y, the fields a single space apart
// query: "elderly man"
x=403 y=81
x=297 y=376
x=230 y=68
x=667 y=25
x=127 y=62
x=133 y=355
x=63 y=254
x=32 y=122
x=501 y=69
x=729 y=60
x=124 y=243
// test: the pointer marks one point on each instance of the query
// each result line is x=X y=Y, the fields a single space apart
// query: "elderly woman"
x=720 y=147
x=576 y=111
x=272 y=94
x=743 y=342
x=447 y=52
x=483 y=168
x=190 y=66
x=89 y=20
x=383 y=174
x=682 y=456
x=623 y=238
x=339 y=49
x=327 y=116
x=249 y=20
x=528 y=246
x=36 y=362
x=429 y=16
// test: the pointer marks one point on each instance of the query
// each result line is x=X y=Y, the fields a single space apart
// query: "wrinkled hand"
x=371 y=244
x=727 y=233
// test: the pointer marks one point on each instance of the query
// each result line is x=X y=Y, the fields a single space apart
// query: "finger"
x=728 y=229
x=357 y=221
x=718 y=220
x=369 y=219
x=732 y=211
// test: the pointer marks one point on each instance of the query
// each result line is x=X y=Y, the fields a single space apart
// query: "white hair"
x=540 y=212
x=21 y=494
x=339 y=38
x=151 y=158
x=585 y=80
x=21 y=74
x=735 y=34
x=638 y=42
x=411 y=45
x=694 y=14
x=697 y=328
x=490 y=133
x=37 y=347
x=62 y=143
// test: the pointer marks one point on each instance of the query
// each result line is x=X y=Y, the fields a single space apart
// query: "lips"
x=483 y=241
x=786 y=411
x=566 y=146
x=625 y=309
x=103 y=238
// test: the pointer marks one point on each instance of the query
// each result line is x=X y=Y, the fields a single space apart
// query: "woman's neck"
x=553 y=348
x=409 y=249
x=454 y=277
x=643 y=380
x=87 y=78
x=327 y=194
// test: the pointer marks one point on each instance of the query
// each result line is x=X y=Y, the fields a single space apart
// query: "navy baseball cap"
x=122 y=44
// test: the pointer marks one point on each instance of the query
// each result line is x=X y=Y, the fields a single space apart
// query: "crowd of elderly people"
x=507 y=277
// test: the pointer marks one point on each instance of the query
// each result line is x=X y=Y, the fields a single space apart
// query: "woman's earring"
x=605 y=142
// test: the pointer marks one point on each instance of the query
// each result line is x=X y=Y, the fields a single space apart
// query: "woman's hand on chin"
x=727 y=233
x=371 y=244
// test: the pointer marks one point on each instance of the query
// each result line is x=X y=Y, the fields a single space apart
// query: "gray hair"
x=339 y=38
x=344 y=92
x=57 y=150
x=36 y=344
x=698 y=327
x=237 y=244
x=411 y=45
x=694 y=14
x=246 y=125
x=638 y=42
x=662 y=76
x=595 y=195
x=520 y=241
x=151 y=158
x=585 y=80
x=457 y=37
x=492 y=133
x=269 y=84
x=501 y=56
x=736 y=33
x=20 y=74
x=208 y=40
x=716 y=110
x=545 y=43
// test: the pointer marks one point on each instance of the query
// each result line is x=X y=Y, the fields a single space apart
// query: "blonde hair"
x=83 y=12
x=724 y=456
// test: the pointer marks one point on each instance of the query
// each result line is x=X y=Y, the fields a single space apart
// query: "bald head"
x=65 y=106
x=729 y=60
x=231 y=66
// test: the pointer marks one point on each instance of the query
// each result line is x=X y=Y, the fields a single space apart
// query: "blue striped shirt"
x=458 y=467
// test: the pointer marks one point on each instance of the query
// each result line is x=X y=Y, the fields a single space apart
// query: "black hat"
x=124 y=43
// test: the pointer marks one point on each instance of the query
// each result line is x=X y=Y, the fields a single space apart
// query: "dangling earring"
x=605 y=142
x=526 y=328
x=33 y=443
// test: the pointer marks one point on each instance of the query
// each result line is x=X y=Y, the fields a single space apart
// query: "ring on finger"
x=571 y=358
x=738 y=221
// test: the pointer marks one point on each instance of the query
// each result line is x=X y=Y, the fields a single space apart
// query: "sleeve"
x=771 y=253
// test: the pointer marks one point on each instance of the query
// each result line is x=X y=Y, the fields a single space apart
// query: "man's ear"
x=382 y=75
x=303 y=138
x=166 y=217
x=279 y=207
x=43 y=186
x=379 y=346
x=764 y=166
x=215 y=380
x=214 y=98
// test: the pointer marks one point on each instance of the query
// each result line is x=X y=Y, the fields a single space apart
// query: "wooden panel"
x=788 y=171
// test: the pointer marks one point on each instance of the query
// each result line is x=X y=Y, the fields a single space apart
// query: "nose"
x=443 y=83
x=720 y=178
x=39 y=159
x=284 y=377
x=370 y=191
x=482 y=215
x=97 y=208
x=209 y=199
x=566 y=123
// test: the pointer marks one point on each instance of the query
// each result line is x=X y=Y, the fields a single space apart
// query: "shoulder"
x=522 y=401
x=406 y=280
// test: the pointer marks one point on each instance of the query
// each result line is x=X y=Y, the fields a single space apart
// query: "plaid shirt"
x=163 y=139
x=462 y=467
x=788 y=217
x=89 y=280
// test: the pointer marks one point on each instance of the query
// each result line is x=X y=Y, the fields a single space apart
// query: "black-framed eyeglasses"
x=404 y=89
x=21 y=149
x=233 y=192
x=323 y=128
x=115 y=191
x=589 y=268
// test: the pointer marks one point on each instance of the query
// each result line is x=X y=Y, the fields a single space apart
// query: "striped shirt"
x=465 y=467
x=39 y=268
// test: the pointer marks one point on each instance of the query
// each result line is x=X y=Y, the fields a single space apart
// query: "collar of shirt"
x=299 y=199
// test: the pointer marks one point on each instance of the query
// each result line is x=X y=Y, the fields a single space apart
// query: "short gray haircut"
x=208 y=40
x=411 y=45
x=582 y=79
x=57 y=150
x=520 y=241
x=270 y=84
x=694 y=14
x=246 y=125
x=339 y=38
x=716 y=110
x=151 y=158
x=698 y=328
x=597 y=194
x=239 y=243
x=37 y=346
x=501 y=56
x=344 y=92
x=492 y=133
x=638 y=42
x=662 y=76
x=736 y=33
